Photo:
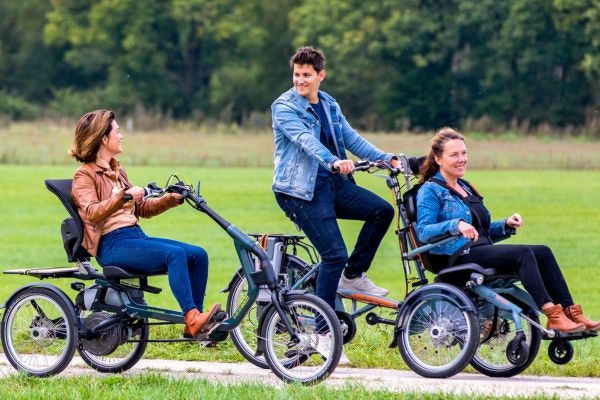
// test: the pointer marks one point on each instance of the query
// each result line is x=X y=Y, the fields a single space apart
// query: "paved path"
x=391 y=380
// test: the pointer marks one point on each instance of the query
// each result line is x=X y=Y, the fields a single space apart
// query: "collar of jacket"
x=304 y=103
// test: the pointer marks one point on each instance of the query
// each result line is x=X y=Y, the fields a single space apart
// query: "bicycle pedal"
x=204 y=334
x=219 y=316
x=207 y=344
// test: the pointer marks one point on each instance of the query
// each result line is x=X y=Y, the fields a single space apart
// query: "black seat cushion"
x=116 y=273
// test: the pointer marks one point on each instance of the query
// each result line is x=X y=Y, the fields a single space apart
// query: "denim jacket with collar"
x=438 y=213
x=298 y=150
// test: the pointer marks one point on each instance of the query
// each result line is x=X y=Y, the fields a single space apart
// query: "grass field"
x=555 y=185
x=556 y=209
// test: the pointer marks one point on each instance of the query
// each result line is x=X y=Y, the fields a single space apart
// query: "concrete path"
x=386 y=379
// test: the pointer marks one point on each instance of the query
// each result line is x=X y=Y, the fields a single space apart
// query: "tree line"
x=392 y=64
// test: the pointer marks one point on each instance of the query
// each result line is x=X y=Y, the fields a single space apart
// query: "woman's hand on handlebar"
x=468 y=230
x=137 y=193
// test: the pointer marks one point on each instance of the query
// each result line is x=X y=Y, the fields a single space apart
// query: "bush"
x=15 y=108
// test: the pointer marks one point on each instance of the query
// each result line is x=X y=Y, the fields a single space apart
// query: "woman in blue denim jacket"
x=446 y=203
x=313 y=181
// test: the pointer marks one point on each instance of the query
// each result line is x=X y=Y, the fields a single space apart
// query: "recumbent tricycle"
x=109 y=322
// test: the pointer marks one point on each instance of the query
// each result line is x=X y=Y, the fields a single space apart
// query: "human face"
x=453 y=161
x=307 y=81
x=111 y=143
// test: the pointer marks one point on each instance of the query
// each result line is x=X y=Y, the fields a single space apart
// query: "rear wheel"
x=245 y=335
x=115 y=349
x=39 y=332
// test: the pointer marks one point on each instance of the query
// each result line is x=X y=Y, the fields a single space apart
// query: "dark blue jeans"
x=337 y=197
x=186 y=265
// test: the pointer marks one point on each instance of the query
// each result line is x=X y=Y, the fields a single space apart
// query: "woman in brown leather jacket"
x=111 y=230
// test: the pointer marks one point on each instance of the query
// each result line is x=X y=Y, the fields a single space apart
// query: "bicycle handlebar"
x=365 y=165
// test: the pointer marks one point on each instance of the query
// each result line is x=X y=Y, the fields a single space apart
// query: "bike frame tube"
x=496 y=299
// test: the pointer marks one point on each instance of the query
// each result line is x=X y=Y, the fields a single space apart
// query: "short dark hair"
x=309 y=55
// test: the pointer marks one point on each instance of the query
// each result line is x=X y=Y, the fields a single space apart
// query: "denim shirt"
x=298 y=149
x=438 y=213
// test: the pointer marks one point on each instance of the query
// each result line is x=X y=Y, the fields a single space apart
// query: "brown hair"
x=429 y=166
x=309 y=55
x=90 y=130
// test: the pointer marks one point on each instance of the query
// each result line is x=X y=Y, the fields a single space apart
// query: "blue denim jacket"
x=298 y=150
x=438 y=213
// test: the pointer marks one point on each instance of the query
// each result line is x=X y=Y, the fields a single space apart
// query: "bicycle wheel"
x=245 y=335
x=497 y=329
x=319 y=348
x=115 y=349
x=39 y=332
x=439 y=337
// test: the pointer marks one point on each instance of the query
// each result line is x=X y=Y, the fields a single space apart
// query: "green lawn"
x=559 y=209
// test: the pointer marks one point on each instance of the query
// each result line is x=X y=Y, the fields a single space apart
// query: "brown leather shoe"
x=575 y=314
x=195 y=320
x=558 y=320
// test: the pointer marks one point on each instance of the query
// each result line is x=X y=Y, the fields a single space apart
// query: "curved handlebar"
x=364 y=165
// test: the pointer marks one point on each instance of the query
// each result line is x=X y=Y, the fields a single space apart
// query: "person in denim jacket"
x=313 y=181
x=446 y=203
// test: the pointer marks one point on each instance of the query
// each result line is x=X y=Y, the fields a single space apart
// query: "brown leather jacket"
x=93 y=195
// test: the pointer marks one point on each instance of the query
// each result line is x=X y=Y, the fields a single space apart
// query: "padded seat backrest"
x=409 y=201
x=72 y=227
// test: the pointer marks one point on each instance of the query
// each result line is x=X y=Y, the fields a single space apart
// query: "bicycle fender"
x=53 y=288
x=435 y=290
x=227 y=288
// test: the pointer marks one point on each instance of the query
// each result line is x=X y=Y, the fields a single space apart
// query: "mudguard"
x=53 y=288
x=435 y=290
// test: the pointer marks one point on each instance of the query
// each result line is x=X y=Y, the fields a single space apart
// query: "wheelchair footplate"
x=43 y=273
x=570 y=336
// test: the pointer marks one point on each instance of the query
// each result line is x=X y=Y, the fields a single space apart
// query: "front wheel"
x=39 y=332
x=245 y=335
x=318 y=347
x=439 y=337
x=497 y=330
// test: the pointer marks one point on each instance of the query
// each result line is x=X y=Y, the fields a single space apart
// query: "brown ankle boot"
x=195 y=320
x=558 y=320
x=575 y=314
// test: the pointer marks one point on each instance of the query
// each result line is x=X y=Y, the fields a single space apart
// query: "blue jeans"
x=338 y=197
x=186 y=265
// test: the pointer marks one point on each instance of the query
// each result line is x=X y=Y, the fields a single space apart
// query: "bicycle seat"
x=72 y=233
x=461 y=273
x=116 y=273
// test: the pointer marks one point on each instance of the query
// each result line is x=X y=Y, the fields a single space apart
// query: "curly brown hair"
x=429 y=166
x=90 y=130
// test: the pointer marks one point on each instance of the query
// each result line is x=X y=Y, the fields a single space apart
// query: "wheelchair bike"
x=436 y=327
x=510 y=329
x=508 y=333
x=109 y=322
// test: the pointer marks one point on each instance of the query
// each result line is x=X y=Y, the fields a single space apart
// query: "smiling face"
x=453 y=161
x=307 y=81
x=111 y=143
